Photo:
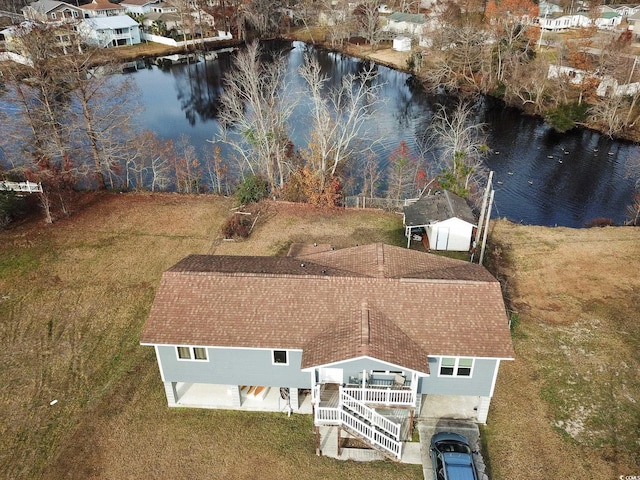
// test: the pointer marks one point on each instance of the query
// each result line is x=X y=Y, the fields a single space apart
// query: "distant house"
x=51 y=11
x=608 y=20
x=139 y=6
x=362 y=337
x=634 y=24
x=64 y=31
x=102 y=8
x=625 y=10
x=405 y=24
x=112 y=31
x=558 y=22
x=444 y=221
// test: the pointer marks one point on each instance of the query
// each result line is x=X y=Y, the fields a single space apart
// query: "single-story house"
x=357 y=337
x=51 y=11
x=111 y=31
x=443 y=220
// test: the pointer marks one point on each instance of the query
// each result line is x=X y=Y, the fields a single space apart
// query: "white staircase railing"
x=369 y=424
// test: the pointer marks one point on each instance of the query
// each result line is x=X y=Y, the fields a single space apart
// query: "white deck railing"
x=383 y=396
x=326 y=416
x=27 y=186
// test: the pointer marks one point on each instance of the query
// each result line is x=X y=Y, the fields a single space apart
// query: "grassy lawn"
x=74 y=297
x=568 y=407
x=73 y=300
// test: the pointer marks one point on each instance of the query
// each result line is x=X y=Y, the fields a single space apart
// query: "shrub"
x=237 y=225
x=306 y=186
x=564 y=117
x=9 y=207
x=252 y=189
x=600 y=222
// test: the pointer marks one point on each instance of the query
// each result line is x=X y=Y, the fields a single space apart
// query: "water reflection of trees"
x=199 y=87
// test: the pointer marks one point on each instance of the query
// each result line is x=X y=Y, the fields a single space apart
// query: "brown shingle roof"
x=366 y=332
x=442 y=306
x=101 y=5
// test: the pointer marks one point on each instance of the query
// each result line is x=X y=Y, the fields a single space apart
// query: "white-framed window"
x=75 y=14
x=455 y=367
x=192 y=353
x=280 y=357
x=53 y=15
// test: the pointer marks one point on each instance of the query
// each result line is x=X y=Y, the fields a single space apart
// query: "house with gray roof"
x=51 y=11
x=442 y=221
x=405 y=23
x=363 y=338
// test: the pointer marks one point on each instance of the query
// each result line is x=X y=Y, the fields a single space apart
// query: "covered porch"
x=371 y=387
x=239 y=397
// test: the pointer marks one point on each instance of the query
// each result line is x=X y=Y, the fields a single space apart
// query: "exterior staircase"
x=366 y=424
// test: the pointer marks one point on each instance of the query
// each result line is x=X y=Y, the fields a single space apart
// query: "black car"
x=452 y=457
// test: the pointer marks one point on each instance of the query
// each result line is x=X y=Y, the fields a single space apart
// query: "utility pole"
x=482 y=213
x=486 y=229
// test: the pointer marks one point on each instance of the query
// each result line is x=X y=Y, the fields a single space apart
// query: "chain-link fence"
x=389 y=204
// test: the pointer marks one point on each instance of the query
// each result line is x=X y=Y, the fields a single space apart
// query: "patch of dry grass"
x=568 y=406
x=73 y=299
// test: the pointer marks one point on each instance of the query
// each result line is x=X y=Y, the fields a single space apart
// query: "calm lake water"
x=542 y=178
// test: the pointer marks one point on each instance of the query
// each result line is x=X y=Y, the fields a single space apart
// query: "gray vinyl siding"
x=478 y=384
x=234 y=366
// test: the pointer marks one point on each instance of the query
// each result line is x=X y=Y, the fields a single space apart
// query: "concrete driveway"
x=430 y=426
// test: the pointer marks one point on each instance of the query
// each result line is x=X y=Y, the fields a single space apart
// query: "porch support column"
x=294 y=399
x=483 y=409
x=234 y=391
x=171 y=392
x=414 y=388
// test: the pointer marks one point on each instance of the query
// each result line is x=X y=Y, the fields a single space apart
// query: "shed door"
x=331 y=375
x=443 y=238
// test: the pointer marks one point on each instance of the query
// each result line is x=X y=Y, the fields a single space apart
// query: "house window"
x=192 y=353
x=53 y=15
x=75 y=14
x=456 y=367
x=280 y=357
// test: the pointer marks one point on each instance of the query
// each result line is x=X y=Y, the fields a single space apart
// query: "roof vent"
x=302 y=265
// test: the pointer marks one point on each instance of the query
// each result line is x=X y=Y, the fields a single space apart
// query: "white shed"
x=402 y=44
x=444 y=221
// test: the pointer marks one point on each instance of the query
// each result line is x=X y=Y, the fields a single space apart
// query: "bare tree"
x=340 y=116
x=371 y=175
x=460 y=143
x=401 y=175
x=367 y=21
x=253 y=115
x=264 y=16
x=103 y=113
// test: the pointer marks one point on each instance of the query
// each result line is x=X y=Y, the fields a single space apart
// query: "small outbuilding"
x=443 y=221
x=402 y=44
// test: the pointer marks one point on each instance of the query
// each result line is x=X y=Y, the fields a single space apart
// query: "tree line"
x=70 y=124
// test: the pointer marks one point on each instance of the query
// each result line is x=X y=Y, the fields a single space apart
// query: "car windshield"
x=453 y=447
